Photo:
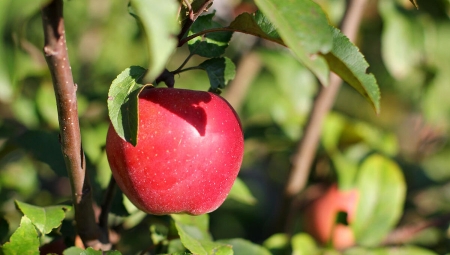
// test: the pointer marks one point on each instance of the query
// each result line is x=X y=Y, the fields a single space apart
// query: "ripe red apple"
x=320 y=217
x=189 y=152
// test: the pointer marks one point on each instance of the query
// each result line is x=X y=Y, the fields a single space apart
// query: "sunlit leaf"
x=295 y=21
x=159 y=20
x=242 y=246
x=23 y=241
x=211 y=45
x=256 y=24
x=44 y=218
x=195 y=237
x=241 y=193
x=123 y=103
x=346 y=60
x=303 y=244
x=88 y=251
x=382 y=193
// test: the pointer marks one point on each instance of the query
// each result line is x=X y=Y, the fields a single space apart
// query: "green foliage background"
x=408 y=51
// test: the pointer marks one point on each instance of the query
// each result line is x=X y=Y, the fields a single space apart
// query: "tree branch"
x=190 y=20
x=55 y=51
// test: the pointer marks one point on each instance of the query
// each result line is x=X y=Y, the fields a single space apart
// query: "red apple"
x=189 y=152
x=321 y=216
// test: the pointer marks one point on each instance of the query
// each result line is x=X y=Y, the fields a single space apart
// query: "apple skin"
x=320 y=217
x=189 y=152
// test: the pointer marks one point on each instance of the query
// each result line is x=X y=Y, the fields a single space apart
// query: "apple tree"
x=224 y=127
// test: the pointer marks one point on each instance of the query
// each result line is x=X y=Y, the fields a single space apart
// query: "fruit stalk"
x=55 y=51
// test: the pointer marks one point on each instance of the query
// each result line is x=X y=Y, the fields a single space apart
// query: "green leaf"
x=123 y=103
x=220 y=71
x=382 y=191
x=304 y=244
x=241 y=193
x=159 y=20
x=24 y=241
x=194 y=235
x=295 y=21
x=256 y=24
x=346 y=60
x=211 y=45
x=401 y=250
x=244 y=247
x=88 y=251
x=277 y=242
x=44 y=218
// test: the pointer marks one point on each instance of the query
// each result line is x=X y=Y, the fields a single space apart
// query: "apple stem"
x=57 y=58
x=306 y=149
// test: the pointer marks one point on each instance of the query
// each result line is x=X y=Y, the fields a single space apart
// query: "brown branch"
x=248 y=68
x=55 y=51
x=307 y=147
x=406 y=233
x=192 y=17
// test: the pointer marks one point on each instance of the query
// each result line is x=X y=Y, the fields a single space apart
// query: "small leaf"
x=123 y=103
x=211 y=45
x=23 y=241
x=195 y=236
x=303 y=244
x=220 y=71
x=256 y=24
x=382 y=191
x=241 y=193
x=346 y=60
x=44 y=218
x=295 y=21
x=88 y=251
x=242 y=246
x=159 y=20
x=277 y=242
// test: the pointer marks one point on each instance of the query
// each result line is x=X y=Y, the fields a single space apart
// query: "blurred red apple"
x=189 y=152
x=321 y=217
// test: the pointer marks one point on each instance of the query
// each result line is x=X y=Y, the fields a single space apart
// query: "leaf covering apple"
x=189 y=152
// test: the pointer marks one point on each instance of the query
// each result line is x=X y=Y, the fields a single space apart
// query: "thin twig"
x=406 y=233
x=307 y=147
x=55 y=51
x=192 y=17
x=206 y=31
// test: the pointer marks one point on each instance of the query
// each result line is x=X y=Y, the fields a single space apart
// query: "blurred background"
x=408 y=51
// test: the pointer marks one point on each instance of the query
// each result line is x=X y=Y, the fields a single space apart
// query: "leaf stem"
x=192 y=17
x=183 y=64
x=187 y=69
x=212 y=30
x=57 y=58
